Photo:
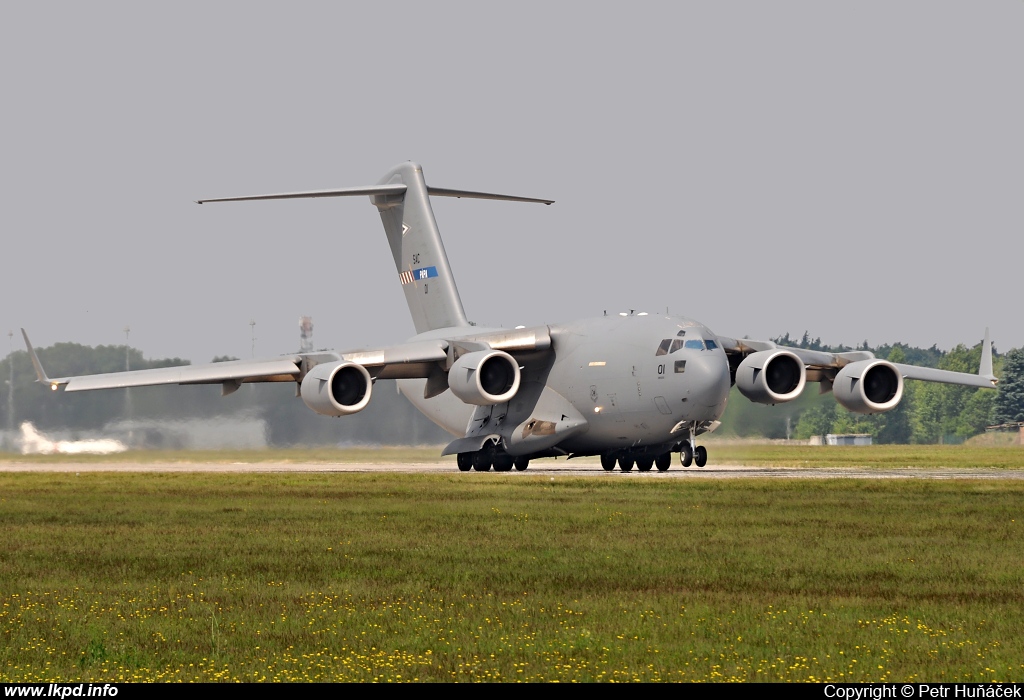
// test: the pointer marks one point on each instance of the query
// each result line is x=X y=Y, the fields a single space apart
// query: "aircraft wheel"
x=663 y=461
x=685 y=456
x=700 y=456
x=521 y=463
x=465 y=461
x=608 y=462
x=644 y=464
x=502 y=463
x=481 y=461
x=625 y=463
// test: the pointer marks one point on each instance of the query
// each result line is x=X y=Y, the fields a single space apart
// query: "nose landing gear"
x=690 y=453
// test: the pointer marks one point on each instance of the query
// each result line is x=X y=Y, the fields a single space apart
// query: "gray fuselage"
x=634 y=382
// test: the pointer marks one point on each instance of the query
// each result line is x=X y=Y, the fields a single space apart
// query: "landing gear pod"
x=337 y=388
x=485 y=377
x=868 y=386
x=771 y=376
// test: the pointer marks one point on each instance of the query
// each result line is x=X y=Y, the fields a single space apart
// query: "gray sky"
x=852 y=169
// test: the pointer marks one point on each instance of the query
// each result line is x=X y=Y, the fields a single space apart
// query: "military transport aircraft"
x=633 y=388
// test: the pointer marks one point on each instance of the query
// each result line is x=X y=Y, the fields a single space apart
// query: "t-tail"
x=403 y=199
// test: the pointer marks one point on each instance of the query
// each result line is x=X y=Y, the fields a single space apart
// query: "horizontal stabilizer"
x=345 y=192
x=443 y=192
x=390 y=189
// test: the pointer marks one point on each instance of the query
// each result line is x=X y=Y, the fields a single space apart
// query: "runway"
x=545 y=468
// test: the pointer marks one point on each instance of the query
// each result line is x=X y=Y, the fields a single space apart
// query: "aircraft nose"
x=708 y=380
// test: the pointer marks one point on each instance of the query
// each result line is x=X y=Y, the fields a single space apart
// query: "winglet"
x=40 y=372
x=985 y=369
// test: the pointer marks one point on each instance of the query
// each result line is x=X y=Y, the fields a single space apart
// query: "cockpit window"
x=670 y=345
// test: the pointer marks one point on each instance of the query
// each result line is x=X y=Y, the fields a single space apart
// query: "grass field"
x=363 y=577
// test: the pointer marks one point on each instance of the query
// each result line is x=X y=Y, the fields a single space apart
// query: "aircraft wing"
x=823 y=366
x=235 y=372
x=414 y=359
x=929 y=374
x=231 y=374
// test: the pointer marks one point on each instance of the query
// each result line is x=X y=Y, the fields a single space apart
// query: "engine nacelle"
x=337 y=388
x=868 y=386
x=771 y=376
x=485 y=377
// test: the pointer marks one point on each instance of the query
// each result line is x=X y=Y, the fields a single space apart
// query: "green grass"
x=364 y=577
x=886 y=456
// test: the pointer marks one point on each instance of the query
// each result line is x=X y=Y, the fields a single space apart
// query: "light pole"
x=252 y=328
x=128 y=392
x=10 y=388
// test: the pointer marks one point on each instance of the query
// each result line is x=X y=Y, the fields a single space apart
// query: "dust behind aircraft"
x=633 y=388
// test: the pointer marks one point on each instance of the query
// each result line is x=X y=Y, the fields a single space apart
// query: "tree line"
x=928 y=413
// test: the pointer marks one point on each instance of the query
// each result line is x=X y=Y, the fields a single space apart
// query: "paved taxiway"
x=545 y=468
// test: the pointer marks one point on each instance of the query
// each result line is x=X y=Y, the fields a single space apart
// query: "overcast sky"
x=853 y=169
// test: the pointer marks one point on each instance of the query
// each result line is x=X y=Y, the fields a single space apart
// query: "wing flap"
x=415 y=351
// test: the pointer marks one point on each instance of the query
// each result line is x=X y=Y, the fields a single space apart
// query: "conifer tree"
x=1009 y=403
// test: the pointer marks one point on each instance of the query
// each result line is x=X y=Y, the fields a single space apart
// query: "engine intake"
x=337 y=388
x=868 y=386
x=485 y=377
x=771 y=376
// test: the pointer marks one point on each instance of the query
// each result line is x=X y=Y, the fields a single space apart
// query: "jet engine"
x=868 y=386
x=337 y=388
x=485 y=377
x=771 y=376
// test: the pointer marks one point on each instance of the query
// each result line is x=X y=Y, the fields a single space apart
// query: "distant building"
x=848 y=439
x=1010 y=428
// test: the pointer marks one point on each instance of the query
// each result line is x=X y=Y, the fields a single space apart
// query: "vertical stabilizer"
x=403 y=199
x=419 y=254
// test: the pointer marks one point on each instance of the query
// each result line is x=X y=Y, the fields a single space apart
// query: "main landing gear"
x=663 y=461
x=483 y=460
x=644 y=461
x=689 y=453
